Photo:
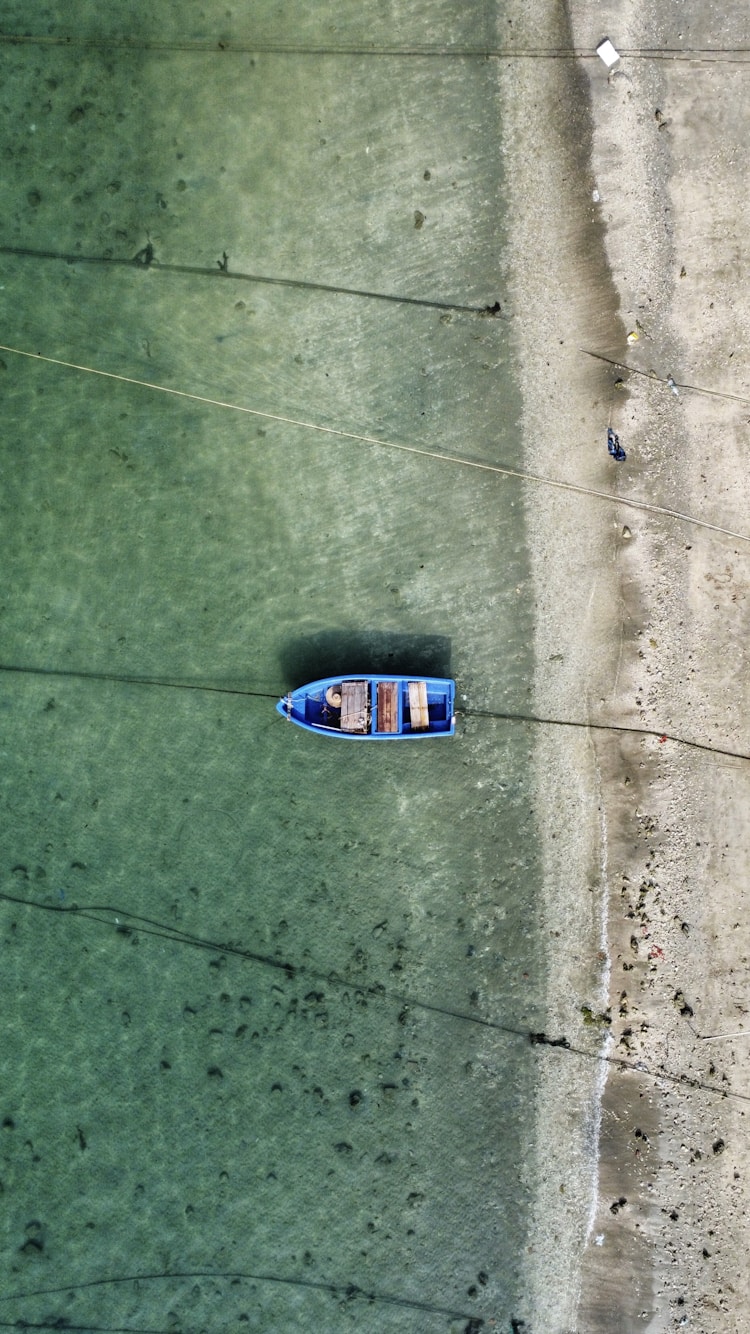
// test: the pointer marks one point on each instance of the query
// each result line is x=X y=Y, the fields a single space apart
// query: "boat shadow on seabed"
x=322 y=654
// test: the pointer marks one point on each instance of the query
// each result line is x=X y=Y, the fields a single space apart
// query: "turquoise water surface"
x=266 y=996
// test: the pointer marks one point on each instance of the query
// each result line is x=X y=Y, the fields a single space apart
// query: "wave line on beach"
x=576 y=488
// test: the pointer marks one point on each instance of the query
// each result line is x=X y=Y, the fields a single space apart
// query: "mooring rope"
x=575 y=487
x=224 y=274
x=227 y=46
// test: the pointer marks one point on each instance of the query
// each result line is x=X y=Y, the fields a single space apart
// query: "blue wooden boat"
x=373 y=708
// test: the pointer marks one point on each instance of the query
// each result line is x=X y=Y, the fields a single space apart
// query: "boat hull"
x=374 y=707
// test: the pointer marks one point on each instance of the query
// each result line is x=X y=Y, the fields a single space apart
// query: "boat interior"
x=381 y=708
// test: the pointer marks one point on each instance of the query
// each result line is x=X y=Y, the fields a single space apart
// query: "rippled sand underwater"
x=268 y=996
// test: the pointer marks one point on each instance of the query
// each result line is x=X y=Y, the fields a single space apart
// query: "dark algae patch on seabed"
x=267 y=1001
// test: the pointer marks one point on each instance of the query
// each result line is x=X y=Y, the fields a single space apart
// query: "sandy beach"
x=628 y=238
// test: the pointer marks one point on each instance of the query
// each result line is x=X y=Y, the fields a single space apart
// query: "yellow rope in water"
x=496 y=468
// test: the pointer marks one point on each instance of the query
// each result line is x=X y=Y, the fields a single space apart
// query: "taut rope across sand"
x=578 y=489
x=739 y=55
x=660 y=379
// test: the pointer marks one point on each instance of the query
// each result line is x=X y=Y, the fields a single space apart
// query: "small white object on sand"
x=607 y=53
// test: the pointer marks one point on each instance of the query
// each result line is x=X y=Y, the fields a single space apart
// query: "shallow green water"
x=284 y=1037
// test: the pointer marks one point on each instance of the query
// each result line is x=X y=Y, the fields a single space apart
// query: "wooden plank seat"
x=420 y=717
x=387 y=706
x=354 y=706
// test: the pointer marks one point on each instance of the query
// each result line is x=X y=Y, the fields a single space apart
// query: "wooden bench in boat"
x=388 y=706
x=354 y=710
x=420 y=717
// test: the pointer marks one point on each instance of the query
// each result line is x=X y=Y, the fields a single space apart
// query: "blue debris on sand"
x=614 y=447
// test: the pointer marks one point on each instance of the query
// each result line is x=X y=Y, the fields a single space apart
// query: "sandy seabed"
x=629 y=217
